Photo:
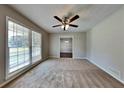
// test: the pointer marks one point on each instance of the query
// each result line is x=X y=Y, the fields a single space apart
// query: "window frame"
x=7 y=74
x=40 y=47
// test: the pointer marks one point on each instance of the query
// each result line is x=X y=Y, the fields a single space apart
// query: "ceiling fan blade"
x=56 y=17
x=74 y=18
x=56 y=25
x=73 y=25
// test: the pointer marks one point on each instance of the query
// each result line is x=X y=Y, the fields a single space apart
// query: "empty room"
x=62 y=46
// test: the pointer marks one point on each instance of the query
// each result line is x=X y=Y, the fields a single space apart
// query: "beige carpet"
x=65 y=73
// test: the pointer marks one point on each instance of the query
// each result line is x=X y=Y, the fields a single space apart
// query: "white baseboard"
x=105 y=70
x=45 y=58
x=53 y=57
x=80 y=58
x=73 y=57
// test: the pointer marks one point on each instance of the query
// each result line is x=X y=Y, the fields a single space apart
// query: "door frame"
x=63 y=36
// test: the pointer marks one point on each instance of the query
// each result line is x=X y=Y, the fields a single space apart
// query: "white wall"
x=105 y=45
x=79 y=44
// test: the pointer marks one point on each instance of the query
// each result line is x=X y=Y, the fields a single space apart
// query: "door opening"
x=66 y=48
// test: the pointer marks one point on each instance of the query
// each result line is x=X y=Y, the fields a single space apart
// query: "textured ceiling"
x=90 y=15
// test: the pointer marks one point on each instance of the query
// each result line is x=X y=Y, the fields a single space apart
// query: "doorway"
x=66 y=48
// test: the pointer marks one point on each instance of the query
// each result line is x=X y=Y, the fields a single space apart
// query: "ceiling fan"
x=66 y=22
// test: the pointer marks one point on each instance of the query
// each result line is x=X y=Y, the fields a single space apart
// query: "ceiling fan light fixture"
x=66 y=22
x=62 y=26
x=66 y=27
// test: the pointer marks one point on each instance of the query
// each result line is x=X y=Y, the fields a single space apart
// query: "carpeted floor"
x=65 y=73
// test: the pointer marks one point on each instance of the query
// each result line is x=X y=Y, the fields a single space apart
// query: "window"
x=23 y=46
x=18 y=44
x=36 y=46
